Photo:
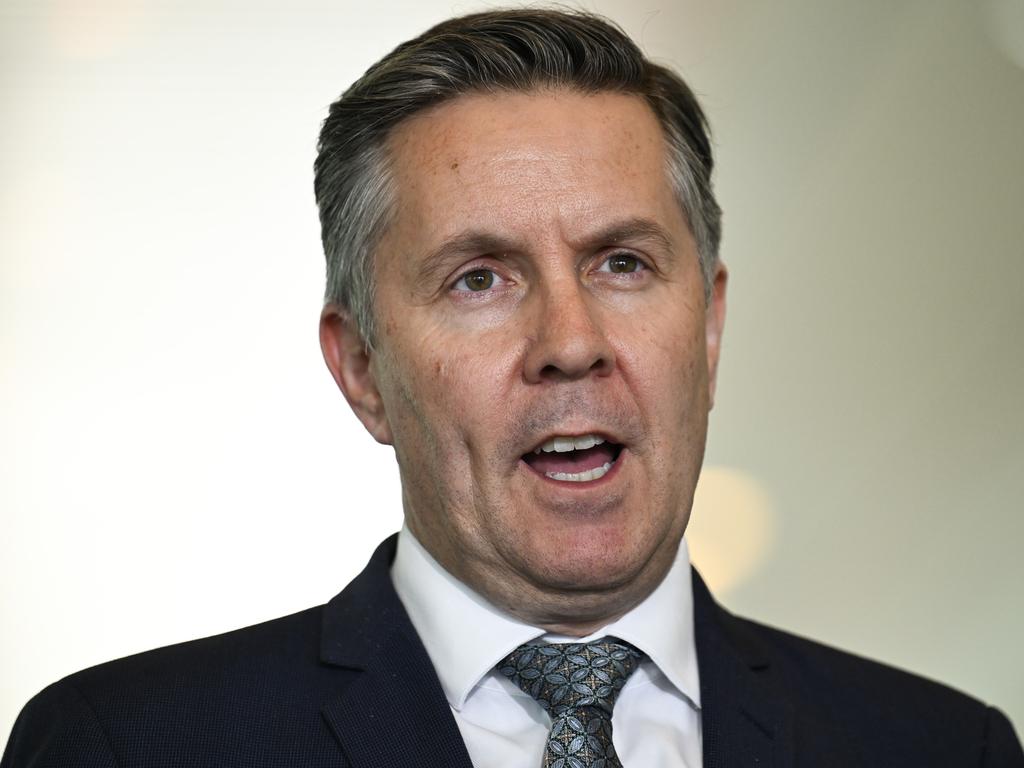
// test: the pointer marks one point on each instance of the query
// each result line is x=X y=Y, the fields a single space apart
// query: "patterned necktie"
x=577 y=684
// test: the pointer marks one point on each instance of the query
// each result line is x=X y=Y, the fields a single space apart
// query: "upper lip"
x=600 y=433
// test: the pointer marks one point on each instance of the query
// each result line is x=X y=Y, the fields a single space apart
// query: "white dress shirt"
x=656 y=720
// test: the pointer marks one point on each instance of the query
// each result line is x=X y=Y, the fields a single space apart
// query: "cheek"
x=665 y=366
x=443 y=391
x=666 y=353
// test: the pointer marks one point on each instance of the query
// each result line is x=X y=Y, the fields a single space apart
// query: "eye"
x=622 y=263
x=476 y=281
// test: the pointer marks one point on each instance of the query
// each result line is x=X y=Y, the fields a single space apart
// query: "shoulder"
x=888 y=710
x=812 y=665
x=255 y=655
x=223 y=689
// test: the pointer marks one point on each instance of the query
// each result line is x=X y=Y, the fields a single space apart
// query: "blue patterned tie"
x=577 y=684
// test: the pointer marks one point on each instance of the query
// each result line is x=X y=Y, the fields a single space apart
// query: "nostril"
x=569 y=369
x=549 y=371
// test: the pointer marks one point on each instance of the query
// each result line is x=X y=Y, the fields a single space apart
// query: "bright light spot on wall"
x=731 y=529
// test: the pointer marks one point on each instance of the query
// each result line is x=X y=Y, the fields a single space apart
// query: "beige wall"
x=168 y=436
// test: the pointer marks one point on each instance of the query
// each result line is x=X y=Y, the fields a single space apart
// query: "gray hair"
x=502 y=50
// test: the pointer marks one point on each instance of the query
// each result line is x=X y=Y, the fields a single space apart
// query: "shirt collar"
x=465 y=636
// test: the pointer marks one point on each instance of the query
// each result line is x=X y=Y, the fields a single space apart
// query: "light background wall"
x=175 y=460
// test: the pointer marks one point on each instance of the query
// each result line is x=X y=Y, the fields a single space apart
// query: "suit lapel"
x=745 y=720
x=392 y=712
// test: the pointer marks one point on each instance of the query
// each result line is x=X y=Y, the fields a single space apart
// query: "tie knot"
x=568 y=676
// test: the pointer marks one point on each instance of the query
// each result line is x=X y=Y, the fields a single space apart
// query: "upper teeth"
x=565 y=444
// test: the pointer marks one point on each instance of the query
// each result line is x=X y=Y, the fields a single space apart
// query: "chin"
x=587 y=567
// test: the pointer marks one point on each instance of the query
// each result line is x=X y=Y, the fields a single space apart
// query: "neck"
x=577 y=629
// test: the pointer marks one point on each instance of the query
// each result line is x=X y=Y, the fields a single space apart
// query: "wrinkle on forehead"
x=515 y=159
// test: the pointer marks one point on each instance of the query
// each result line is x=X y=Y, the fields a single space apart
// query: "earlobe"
x=349 y=359
x=714 y=325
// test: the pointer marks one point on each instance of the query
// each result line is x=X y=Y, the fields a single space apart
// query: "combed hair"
x=494 y=51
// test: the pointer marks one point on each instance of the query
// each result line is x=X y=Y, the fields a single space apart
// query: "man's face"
x=539 y=287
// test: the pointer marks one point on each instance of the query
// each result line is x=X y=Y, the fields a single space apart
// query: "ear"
x=714 y=323
x=348 y=357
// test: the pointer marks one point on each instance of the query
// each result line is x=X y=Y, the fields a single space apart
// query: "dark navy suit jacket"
x=350 y=684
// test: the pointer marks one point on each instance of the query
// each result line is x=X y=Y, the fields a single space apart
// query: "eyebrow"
x=634 y=229
x=464 y=244
x=475 y=242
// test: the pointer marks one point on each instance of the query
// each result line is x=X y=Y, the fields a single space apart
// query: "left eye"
x=476 y=281
x=621 y=263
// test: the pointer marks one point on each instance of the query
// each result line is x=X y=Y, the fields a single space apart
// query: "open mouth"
x=574 y=459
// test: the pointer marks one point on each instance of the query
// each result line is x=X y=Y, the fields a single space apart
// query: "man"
x=524 y=300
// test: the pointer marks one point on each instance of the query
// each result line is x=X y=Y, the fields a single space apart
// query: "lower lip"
x=569 y=485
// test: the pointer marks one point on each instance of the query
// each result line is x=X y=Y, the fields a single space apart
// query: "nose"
x=567 y=338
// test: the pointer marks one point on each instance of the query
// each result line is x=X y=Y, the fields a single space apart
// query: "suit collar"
x=392 y=712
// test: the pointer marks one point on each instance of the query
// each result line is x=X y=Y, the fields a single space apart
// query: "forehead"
x=504 y=120
x=525 y=161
